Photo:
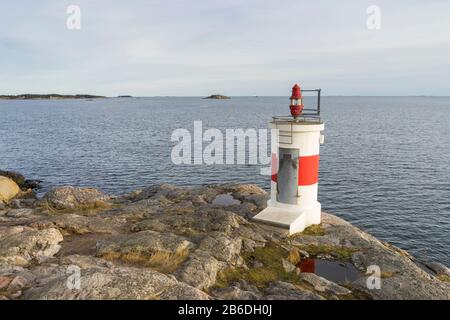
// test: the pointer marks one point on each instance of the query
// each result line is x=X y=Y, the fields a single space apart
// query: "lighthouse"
x=296 y=140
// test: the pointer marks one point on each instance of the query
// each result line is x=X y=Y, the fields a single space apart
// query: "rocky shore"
x=169 y=242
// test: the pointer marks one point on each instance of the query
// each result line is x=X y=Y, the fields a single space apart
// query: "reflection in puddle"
x=336 y=271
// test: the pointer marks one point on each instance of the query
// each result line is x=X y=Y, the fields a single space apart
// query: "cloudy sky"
x=148 y=48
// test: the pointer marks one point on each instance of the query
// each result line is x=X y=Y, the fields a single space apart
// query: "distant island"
x=217 y=96
x=125 y=96
x=48 y=96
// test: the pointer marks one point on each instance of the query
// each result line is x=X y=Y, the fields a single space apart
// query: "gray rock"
x=15 y=203
x=164 y=252
x=249 y=245
x=18 y=283
x=19 y=213
x=45 y=273
x=15 y=295
x=234 y=293
x=246 y=210
x=238 y=191
x=323 y=285
x=246 y=286
x=280 y=290
x=61 y=198
x=358 y=260
x=200 y=270
x=4 y=282
x=303 y=253
x=287 y=266
x=223 y=248
x=14 y=280
x=439 y=268
x=22 y=203
x=86 y=262
x=188 y=221
x=182 y=291
x=6 y=268
x=326 y=256
x=145 y=242
x=115 y=283
x=162 y=190
x=244 y=190
x=78 y=224
x=260 y=200
x=19 y=245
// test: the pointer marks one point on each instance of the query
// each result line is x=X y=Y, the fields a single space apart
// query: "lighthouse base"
x=289 y=217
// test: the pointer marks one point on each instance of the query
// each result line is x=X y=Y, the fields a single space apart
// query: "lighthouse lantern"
x=295 y=167
x=296 y=101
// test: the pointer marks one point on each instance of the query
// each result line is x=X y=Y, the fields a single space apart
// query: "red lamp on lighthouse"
x=296 y=101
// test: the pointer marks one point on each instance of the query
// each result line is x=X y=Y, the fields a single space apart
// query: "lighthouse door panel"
x=287 y=180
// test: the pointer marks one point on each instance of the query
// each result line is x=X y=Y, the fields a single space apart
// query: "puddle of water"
x=336 y=271
x=225 y=200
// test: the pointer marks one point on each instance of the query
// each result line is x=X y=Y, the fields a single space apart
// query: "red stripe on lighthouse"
x=274 y=167
x=308 y=172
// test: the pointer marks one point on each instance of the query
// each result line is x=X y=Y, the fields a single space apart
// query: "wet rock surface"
x=168 y=242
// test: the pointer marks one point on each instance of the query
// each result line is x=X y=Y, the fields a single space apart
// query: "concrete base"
x=293 y=220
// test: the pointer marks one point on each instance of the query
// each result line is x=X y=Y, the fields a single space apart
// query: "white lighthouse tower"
x=295 y=167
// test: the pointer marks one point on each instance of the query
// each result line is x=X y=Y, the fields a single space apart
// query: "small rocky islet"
x=217 y=97
x=169 y=242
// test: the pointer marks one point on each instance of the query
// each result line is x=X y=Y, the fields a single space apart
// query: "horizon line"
x=124 y=96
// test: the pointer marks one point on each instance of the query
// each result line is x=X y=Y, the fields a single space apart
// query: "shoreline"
x=202 y=243
x=51 y=96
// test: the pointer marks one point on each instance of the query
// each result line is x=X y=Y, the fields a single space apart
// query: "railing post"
x=318 y=101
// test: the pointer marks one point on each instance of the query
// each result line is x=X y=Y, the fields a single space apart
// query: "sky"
x=196 y=48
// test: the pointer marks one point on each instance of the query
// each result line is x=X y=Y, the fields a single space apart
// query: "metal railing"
x=311 y=115
x=308 y=114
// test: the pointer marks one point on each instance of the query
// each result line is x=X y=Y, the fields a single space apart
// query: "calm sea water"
x=384 y=165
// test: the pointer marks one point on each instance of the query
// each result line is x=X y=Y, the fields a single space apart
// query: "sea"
x=384 y=166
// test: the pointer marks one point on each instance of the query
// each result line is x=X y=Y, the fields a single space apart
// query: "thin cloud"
x=150 y=48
